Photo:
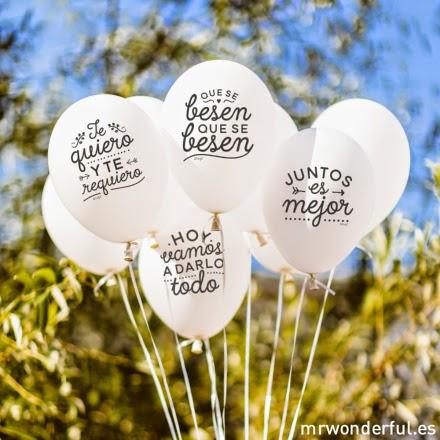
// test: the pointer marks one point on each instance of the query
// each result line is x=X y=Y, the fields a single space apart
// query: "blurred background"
x=70 y=365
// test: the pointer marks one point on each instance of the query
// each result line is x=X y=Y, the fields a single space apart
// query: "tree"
x=65 y=373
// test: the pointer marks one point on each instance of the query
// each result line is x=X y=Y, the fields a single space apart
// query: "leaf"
x=42 y=312
x=406 y=414
x=16 y=327
x=16 y=433
x=74 y=283
x=61 y=301
x=23 y=278
x=45 y=274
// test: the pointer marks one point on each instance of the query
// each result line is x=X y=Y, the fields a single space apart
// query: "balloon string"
x=246 y=359
x=222 y=243
x=147 y=356
x=225 y=378
x=179 y=346
x=292 y=356
x=268 y=399
x=215 y=403
x=311 y=356
x=156 y=351
x=322 y=285
x=103 y=280
x=217 y=225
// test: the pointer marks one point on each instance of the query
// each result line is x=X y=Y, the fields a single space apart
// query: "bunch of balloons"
x=214 y=171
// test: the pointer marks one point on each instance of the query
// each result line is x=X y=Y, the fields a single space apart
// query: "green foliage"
x=70 y=364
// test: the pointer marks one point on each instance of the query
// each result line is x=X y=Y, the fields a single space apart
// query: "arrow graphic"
x=132 y=161
x=85 y=176
x=339 y=192
x=296 y=190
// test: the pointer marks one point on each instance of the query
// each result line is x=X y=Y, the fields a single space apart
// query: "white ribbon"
x=186 y=342
x=156 y=351
x=292 y=356
x=268 y=399
x=311 y=356
x=225 y=378
x=179 y=346
x=103 y=280
x=246 y=360
x=147 y=357
x=215 y=403
x=325 y=287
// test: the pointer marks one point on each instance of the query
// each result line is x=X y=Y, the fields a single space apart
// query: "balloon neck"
x=215 y=223
x=129 y=251
x=153 y=241
x=197 y=347
x=111 y=281
x=288 y=277
x=260 y=237
x=313 y=282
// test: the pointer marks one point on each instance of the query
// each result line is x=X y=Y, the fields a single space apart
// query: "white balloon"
x=108 y=166
x=249 y=215
x=74 y=241
x=284 y=126
x=318 y=198
x=183 y=278
x=220 y=120
x=175 y=199
x=384 y=141
x=175 y=202
x=151 y=106
x=268 y=255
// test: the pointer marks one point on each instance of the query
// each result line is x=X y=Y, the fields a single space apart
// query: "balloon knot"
x=153 y=241
x=313 y=282
x=261 y=239
x=288 y=277
x=128 y=253
x=197 y=347
x=215 y=223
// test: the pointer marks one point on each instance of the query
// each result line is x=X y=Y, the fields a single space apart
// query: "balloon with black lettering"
x=318 y=198
x=75 y=242
x=196 y=280
x=249 y=214
x=108 y=166
x=220 y=119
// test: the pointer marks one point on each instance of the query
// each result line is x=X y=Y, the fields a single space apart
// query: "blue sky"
x=407 y=73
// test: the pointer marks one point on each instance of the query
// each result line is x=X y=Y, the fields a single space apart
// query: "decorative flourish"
x=296 y=190
x=214 y=155
x=117 y=128
x=91 y=197
x=128 y=186
x=132 y=161
x=208 y=100
x=228 y=100
x=79 y=139
x=82 y=177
